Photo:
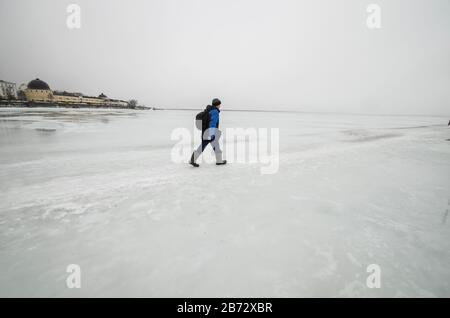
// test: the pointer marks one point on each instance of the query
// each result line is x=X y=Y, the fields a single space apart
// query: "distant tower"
x=21 y=91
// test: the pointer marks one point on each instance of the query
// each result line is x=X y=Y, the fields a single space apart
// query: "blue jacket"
x=213 y=120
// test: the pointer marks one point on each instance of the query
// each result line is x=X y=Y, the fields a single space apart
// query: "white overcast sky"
x=311 y=55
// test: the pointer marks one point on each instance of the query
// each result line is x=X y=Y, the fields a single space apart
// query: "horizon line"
x=305 y=112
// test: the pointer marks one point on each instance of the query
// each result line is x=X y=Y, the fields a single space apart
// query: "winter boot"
x=192 y=162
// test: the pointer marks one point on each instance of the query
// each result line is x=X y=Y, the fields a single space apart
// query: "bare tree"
x=133 y=103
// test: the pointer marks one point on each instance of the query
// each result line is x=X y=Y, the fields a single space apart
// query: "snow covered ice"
x=98 y=188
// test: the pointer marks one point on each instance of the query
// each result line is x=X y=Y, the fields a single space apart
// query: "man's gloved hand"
x=211 y=134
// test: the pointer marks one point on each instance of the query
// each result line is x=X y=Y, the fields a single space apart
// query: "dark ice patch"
x=46 y=130
x=361 y=135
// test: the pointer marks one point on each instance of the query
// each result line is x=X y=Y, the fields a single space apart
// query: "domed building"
x=38 y=84
x=38 y=91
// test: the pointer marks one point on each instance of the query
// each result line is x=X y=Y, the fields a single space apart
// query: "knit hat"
x=216 y=102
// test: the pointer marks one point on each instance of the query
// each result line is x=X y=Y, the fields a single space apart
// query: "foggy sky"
x=253 y=54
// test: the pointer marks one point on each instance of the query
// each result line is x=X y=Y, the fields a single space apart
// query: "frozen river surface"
x=98 y=188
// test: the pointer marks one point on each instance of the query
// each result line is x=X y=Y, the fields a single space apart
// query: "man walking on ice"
x=208 y=122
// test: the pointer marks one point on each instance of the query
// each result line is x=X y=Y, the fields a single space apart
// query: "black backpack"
x=202 y=119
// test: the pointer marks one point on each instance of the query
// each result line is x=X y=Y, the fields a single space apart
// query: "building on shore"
x=8 y=90
x=38 y=93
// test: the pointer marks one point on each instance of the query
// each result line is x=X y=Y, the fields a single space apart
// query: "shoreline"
x=25 y=104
